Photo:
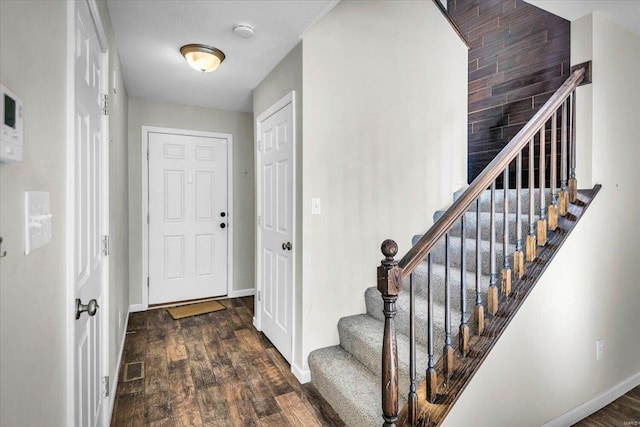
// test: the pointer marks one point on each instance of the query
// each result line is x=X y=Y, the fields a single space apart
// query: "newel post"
x=389 y=285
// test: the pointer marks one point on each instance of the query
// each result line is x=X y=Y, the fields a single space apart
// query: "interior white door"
x=90 y=219
x=276 y=228
x=187 y=217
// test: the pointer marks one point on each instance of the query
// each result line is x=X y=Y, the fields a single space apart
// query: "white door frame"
x=70 y=213
x=146 y=130
x=289 y=98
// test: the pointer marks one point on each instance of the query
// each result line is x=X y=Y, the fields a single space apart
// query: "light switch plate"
x=316 y=209
x=37 y=220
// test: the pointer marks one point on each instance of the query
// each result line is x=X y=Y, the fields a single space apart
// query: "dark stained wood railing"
x=453 y=24
x=392 y=272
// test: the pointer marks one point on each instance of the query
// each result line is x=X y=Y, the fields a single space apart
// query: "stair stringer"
x=480 y=346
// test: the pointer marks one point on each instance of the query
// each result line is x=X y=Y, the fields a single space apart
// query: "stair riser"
x=368 y=351
x=374 y=306
x=485 y=226
x=438 y=255
x=485 y=201
x=438 y=284
x=354 y=395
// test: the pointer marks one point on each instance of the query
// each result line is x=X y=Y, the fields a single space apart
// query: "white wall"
x=284 y=78
x=32 y=288
x=33 y=307
x=591 y=290
x=143 y=112
x=384 y=117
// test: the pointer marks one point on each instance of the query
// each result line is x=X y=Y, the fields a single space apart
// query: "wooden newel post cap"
x=389 y=249
x=389 y=275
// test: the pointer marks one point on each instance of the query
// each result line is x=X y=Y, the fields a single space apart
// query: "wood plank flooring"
x=624 y=411
x=211 y=370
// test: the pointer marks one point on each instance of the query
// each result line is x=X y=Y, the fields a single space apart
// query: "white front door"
x=90 y=203
x=275 y=227
x=188 y=217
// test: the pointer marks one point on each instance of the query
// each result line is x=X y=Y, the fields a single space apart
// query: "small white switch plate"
x=316 y=209
x=37 y=213
x=599 y=349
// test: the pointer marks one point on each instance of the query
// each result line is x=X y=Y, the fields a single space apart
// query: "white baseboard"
x=113 y=384
x=134 y=308
x=595 y=404
x=242 y=293
x=303 y=375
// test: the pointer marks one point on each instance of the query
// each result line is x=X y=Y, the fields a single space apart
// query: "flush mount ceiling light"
x=201 y=57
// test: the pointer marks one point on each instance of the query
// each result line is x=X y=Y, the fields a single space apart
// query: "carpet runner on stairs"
x=348 y=375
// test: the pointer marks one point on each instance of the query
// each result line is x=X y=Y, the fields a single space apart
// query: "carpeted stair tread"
x=438 y=254
x=485 y=200
x=438 y=283
x=349 y=387
x=374 y=306
x=348 y=375
x=485 y=225
x=361 y=336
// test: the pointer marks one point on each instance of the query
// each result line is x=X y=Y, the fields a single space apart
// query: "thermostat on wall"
x=10 y=126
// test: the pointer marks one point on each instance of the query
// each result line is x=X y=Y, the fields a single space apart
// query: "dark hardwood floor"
x=210 y=370
x=622 y=412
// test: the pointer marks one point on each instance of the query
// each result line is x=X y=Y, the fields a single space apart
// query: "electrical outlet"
x=599 y=349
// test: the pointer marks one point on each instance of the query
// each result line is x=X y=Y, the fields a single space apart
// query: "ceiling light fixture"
x=201 y=57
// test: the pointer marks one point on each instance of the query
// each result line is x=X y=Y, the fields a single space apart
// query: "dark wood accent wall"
x=519 y=56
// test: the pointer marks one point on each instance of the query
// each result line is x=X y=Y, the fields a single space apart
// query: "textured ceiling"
x=149 y=35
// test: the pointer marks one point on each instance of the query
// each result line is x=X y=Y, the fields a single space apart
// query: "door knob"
x=286 y=246
x=223 y=225
x=223 y=214
x=90 y=308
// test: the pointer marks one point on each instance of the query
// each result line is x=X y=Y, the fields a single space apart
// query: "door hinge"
x=259 y=219
x=105 y=386
x=259 y=296
x=147 y=154
x=148 y=282
x=105 y=104
x=259 y=146
x=147 y=218
x=105 y=245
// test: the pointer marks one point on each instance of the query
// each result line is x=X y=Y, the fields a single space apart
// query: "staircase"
x=348 y=375
x=452 y=275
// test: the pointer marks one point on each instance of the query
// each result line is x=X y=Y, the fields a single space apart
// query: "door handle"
x=286 y=246
x=90 y=308
x=223 y=214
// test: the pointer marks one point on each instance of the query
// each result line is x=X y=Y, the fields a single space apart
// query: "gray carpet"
x=348 y=375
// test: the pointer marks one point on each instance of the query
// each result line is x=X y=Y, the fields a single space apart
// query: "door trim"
x=146 y=130
x=289 y=98
x=70 y=216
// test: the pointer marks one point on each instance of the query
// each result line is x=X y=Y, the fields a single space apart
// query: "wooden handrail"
x=453 y=24
x=421 y=249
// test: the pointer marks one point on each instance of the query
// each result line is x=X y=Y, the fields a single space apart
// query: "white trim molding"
x=242 y=293
x=114 y=380
x=303 y=375
x=146 y=130
x=135 y=308
x=587 y=408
